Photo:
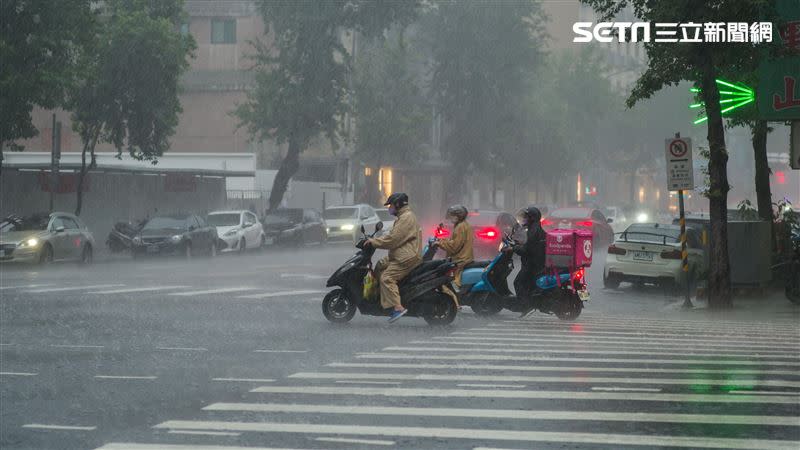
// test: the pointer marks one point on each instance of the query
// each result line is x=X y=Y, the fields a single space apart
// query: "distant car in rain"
x=237 y=230
x=581 y=218
x=344 y=222
x=619 y=221
x=177 y=234
x=489 y=228
x=386 y=218
x=294 y=226
x=651 y=253
x=45 y=238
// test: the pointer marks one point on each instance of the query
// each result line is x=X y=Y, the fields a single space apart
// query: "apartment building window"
x=223 y=31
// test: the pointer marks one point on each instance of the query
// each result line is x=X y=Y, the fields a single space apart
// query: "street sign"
x=680 y=172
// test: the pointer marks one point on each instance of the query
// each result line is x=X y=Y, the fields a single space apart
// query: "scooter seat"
x=426 y=266
x=478 y=264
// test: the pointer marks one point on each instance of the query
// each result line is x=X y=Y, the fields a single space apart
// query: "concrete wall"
x=111 y=198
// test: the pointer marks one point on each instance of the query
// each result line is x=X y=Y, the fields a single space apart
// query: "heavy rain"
x=413 y=224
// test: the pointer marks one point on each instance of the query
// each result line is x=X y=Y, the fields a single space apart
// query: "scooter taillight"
x=579 y=275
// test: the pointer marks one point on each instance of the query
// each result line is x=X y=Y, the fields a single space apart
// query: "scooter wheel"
x=487 y=307
x=444 y=311
x=569 y=306
x=338 y=307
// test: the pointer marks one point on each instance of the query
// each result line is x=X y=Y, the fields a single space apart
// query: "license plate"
x=643 y=256
x=152 y=249
x=583 y=295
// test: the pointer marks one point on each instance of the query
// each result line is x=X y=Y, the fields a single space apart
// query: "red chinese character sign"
x=680 y=167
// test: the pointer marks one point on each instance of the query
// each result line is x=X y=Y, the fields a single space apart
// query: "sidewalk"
x=773 y=306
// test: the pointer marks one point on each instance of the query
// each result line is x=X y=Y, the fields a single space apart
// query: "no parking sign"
x=680 y=167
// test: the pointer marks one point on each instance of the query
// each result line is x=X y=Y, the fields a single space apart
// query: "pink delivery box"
x=569 y=248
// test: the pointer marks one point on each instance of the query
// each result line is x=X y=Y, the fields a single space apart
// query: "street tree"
x=671 y=63
x=39 y=45
x=128 y=91
x=301 y=87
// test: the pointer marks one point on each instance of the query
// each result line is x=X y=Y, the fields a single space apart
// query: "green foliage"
x=746 y=210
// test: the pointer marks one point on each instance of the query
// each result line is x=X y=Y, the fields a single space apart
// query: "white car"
x=651 y=253
x=239 y=230
x=343 y=223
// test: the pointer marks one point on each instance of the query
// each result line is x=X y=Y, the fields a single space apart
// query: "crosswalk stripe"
x=355 y=441
x=583 y=328
x=73 y=288
x=591 y=344
x=476 y=357
x=609 y=351
x=613 y=339
x=140 y=289
x=588 y=318
x=566 y=395
x=373 y=410
x=134 y=446
x=24 y=286
x=569 y=379
x=211 y=291
x=577 y=369
x=280 y=294
x=710 y=326
x=623 y=335
x=40 y=426
x=484 y=434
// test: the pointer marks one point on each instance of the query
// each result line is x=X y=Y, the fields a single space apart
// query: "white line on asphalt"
x=75 y=346
x=306 y=276
x=124 y=377
x=184 y=349
x=598 y=340
x=279 y=351
x=620 y=336
x=483 y=434
x=280 y=294
x=27 y=286
x=133 y=446
x=589 y=318
x=6 y=345
x=18 y=374
x=490 y=386
x=521 y=414
x=567 y=395
x=368 y=382
x=584 y=327
x=625 y=389
x=40 y=426
x=590 y=345
x=474 y=357
x=96 y=286
x=576 y=369
x=355 y=441
x=141 y=289
x=211 y=291
x=205 y=433
x=728 y=381
x=610 y=351
x=246 y=380
x=765 y=393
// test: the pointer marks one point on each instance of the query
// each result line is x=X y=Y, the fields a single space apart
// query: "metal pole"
x=687 y=302
x=52 y=162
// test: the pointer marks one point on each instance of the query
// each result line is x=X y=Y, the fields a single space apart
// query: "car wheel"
x=212 y=252
x=187 y=250
x=611 y=281
x=242 y=246
x=46 y=255
x=86 y=255
x=262 y=242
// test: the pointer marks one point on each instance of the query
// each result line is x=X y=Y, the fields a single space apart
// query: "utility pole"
x=55 y=160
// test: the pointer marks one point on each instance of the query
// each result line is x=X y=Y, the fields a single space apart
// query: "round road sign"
x=678 y=148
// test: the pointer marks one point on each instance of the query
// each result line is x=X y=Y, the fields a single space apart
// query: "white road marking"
x=141 y=289
x=279 y=351
x=474 y=357
x=246 y=380
x=40 y=426
x=210 y=291
x=577 y=369
x=75 y=346
x=566 y=395
x=133 y=446
x=599 y=341
x=728 y=381
x=355 y=441
x=490 y=386
x=625 y=389
x=483 y=434
x=521 y=414
x=765 y=393
x=578 y=329
x=613 y=336
x=96 y=286
x=27 y=286
x=184 y=349
x=368 y=382
x=602 y=348
x=683 y=322
x=124 y=377
x=280 y=294
x=6 y=345
x=18 y=374
x=609 y=351
x=205 y=433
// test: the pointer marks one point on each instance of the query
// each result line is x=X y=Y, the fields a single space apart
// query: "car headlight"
x=327 y=230
x=642 y=217
x=348 y=227
x=176 y=238
x=32 y=242
x=137 y=240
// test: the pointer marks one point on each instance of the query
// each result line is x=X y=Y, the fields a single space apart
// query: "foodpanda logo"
x=559 y=238
x=587 y=249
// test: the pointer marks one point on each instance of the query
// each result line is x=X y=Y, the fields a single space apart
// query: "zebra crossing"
x=599 y=382
x=174 y=291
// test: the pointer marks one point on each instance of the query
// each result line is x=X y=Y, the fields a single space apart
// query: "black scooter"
x=420 y=292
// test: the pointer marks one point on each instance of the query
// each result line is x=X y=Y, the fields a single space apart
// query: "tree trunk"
x=719 y=277
x=289 y=166
x=89 y=146
x=763 y=192
x=455 y=185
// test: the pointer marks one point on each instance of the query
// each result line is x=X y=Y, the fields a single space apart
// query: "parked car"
x=295 y=226
x=651 y=253
x=386 y=218
x=344 y=222
x=181 y=234
x=237 y=230
x=489 y=228
x=45 y=238
x=574 y=218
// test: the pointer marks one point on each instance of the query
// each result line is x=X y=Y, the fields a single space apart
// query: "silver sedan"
x=45 y=238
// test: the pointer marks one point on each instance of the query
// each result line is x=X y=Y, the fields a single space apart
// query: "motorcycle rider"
x=459 y=246
x=532 y=254
x=404 y=242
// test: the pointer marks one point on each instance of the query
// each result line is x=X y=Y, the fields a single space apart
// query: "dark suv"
x=294 y=226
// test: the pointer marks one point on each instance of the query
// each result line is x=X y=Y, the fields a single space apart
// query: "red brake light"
x=614 y=250
x=488 y=233
x=546 y=222
x=579 y=274
x=671 y=254
x=585 y=223
x=441 y=232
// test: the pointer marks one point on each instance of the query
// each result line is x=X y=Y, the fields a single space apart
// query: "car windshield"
x=486 y=219
x=283 y=216
x=571 y=213
x=30 y=223
x=165 y=222
x=224 y=220
x=340 y=213
x=384 y=215
x=652 y=233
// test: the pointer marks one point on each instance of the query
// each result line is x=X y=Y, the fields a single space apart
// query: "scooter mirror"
x=363 y=230
x=378 y=226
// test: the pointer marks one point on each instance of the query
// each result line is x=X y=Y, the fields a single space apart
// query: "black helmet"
x=398 y=200
x=458 y=211
x=530 y=215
